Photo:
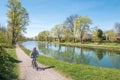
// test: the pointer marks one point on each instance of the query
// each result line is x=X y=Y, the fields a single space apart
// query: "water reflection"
x=95 y=57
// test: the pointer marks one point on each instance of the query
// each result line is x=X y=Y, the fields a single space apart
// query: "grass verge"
x=8 y=66
x=14 y=60
x=105 y=46
x=79 y=71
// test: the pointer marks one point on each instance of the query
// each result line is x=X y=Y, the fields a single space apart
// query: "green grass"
x=8 y=65
x=26 y=50
x=104 y=46
x=80 y=71
x=11 y=52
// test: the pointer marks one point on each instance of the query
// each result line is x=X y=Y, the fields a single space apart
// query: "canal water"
x=94 y=57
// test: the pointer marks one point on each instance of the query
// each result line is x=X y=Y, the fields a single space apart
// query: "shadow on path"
x=44 y=68
x=13 y=60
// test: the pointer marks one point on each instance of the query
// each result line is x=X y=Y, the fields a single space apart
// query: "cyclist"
x=34 y=54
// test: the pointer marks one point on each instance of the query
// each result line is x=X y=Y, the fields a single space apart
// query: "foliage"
x=43 y=36
x=97 y=34
x=21 y=38
x=66 y=33
x=100 y=34
x=94 y=36
x=4 y=37
x=81 y=25
x=17 y=18
x=8 y=70
x=110 y=34
x=58 y=31
x=77 y=29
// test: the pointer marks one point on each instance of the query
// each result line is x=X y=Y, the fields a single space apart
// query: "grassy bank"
x=14 y=60
x=80 y=71
x=8 y=65
x=104 y=46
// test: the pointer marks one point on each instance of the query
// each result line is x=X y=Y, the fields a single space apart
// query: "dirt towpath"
x=28 y=73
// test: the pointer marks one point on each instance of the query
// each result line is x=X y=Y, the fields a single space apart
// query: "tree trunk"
x=13 y=41
x=81 y=39
x=13 y=38
x=59 y=38
x=74 y=39
x=0 y=49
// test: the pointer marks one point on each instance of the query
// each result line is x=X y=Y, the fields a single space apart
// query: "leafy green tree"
x=1 y=40
x=57 y=29
x=94 y=36
x=81 y=25
x=21 y=37
x=100 y=34
x=43 y=36
x=110 y=34
x=36 y=38
x=97 y=34
x=66 y=33
x=46 y=35
x=17 y=19
x=4 y=36
x=6 y=66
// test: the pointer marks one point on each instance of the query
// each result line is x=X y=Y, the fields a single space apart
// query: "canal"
x=94 y=57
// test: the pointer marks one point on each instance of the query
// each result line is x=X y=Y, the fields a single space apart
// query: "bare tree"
x=70 y=24
x=117 y=28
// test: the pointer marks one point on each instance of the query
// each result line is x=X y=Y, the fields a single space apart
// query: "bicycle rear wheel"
x=33 y=64
x=36 y=65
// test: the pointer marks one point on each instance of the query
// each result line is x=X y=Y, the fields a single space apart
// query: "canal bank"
x=110 y=46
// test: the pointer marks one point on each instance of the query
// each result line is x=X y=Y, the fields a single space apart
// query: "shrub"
x=6 y=66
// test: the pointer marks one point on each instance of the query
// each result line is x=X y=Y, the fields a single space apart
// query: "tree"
x=43 y=36
x=94 y=35
x=110 y=34
x=70 y=24
x=117 y=28
x=81 y=25
x=100 y=34
x=21 y=38
x=4 y=36
x=97 y=34
x=58 y=31
x=66 y=33
x=17 y=19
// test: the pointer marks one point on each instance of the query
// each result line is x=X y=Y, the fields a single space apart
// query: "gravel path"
x=28 y=73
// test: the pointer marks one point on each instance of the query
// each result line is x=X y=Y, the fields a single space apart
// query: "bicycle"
x=34 y=64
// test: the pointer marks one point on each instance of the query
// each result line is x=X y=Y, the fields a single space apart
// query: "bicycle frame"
x=34 y=64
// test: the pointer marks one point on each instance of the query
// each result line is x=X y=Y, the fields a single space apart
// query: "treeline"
x=77 y=29
x=6 y=37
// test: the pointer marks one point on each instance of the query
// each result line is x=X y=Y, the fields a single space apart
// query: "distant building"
x=117 y=37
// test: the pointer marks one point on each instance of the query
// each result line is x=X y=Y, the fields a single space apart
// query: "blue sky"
x=44 y=14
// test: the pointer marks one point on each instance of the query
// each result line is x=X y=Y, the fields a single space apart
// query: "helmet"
x=34 y=48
